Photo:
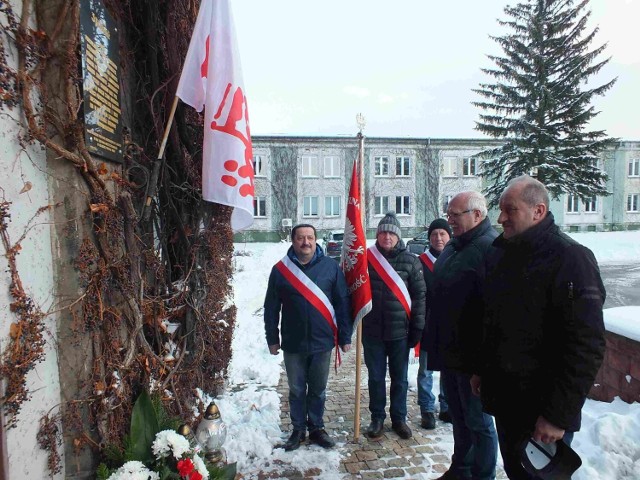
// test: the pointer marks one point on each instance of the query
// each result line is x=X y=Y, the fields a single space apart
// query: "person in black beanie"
x=439 y=234
x=393 y=326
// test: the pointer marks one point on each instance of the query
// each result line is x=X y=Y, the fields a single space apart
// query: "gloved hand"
x=415 y=335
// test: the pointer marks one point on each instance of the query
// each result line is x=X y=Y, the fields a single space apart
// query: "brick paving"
x=426 y=455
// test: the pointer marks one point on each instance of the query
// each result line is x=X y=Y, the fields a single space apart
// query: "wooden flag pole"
x=356 y=415
x=153 y=181
x=167 y=129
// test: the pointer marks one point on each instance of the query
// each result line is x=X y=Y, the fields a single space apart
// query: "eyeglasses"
x=457 y=215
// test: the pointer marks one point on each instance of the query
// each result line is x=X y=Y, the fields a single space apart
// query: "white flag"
x=212 y=78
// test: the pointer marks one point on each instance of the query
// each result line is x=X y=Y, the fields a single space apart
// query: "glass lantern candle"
x=211 y=434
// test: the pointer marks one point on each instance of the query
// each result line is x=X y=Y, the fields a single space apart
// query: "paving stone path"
x=426 y=455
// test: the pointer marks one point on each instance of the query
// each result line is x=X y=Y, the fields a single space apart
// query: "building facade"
x=306 y=180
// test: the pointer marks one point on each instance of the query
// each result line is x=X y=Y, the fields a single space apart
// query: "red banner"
x=354 y=254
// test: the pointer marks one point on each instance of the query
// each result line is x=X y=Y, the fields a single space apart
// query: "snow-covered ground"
x=609 y=442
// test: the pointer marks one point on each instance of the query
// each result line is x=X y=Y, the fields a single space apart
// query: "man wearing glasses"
x=455 y=319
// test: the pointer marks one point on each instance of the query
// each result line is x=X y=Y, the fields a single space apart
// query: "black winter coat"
x=388 y=319
x=303 y=328
x=454 y=320
x=428 y=280
x=543 y=339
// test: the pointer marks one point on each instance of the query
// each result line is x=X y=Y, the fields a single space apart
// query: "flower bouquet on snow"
x=152 y=452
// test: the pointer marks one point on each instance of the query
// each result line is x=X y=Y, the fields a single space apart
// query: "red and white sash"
x=313 y=294
x=427 y=259
x=390 y=278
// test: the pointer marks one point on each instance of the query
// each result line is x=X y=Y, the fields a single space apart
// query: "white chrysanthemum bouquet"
x=152 y=453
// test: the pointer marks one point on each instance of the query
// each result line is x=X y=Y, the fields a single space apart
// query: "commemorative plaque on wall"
x=101 y=90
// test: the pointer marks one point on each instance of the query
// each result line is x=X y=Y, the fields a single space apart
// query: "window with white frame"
x=259 y=207
x=310 y=207
x=381 y=205
x=259 y=165
x=469 y=167
x=591 y=204
x=632 y=202
x=403 y=205
x=309 y=166
x=403 y=166
x=381 y=168
x=450 y=167
x=634 y=167
x=445 y=202
x=331 y=206
x=331 y=166
x=572 y=204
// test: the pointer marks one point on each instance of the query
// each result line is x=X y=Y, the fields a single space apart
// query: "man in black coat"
x=454 y=325
x=543 y=338
x=439 y=233
x=393 y=326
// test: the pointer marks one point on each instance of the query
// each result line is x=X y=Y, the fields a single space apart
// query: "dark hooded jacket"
x=543 y=338
x=454 y=320
x=302 y=326
x=388 y=319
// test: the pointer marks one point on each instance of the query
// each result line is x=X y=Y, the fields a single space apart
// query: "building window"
x=445 y=203
x=310 y=208
x=309 y=166
x=259 y=166
x=469 y=167
x=450 y=167
x=403 y=205
x=331 y=167
x=572 y=204
x=259 y=207
x=591 y=204
x=632 y=202
x=634 y=167
x=381 y=205
x=403 y=166
x=381 y=166
x=331 y=206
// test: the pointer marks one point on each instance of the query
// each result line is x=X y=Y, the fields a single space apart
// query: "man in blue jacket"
x=307 y=305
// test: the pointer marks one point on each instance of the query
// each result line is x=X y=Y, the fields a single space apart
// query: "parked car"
x=418 y=243
x=333 y=244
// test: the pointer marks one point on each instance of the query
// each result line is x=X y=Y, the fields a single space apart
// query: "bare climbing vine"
x=155 y=277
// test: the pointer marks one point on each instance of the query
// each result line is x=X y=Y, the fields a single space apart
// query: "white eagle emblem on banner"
x=350 y=254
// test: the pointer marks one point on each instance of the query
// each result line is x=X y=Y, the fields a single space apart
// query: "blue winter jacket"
x=289 y=315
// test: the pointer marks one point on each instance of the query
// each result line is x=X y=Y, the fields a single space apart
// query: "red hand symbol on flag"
x=237 y=114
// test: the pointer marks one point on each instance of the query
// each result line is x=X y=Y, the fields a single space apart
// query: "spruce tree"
x=540 y=104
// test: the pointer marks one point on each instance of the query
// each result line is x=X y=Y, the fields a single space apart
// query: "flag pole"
x=356 y=415
x=153 y=181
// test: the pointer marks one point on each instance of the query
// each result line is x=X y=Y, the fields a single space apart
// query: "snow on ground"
x=609 y=442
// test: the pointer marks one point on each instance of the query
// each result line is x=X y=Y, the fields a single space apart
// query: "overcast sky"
x=408 y=65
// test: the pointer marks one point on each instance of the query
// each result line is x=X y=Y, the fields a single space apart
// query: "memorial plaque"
x=101 y=90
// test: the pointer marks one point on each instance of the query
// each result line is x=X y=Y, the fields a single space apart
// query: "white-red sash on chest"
x=390 y=278
x=428 y=260
x=312 y=293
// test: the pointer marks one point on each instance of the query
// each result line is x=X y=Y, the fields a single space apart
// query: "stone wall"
x=619 y=375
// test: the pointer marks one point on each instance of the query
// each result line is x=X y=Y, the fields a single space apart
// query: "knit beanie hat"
x=390 y=223
x=440 y=223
